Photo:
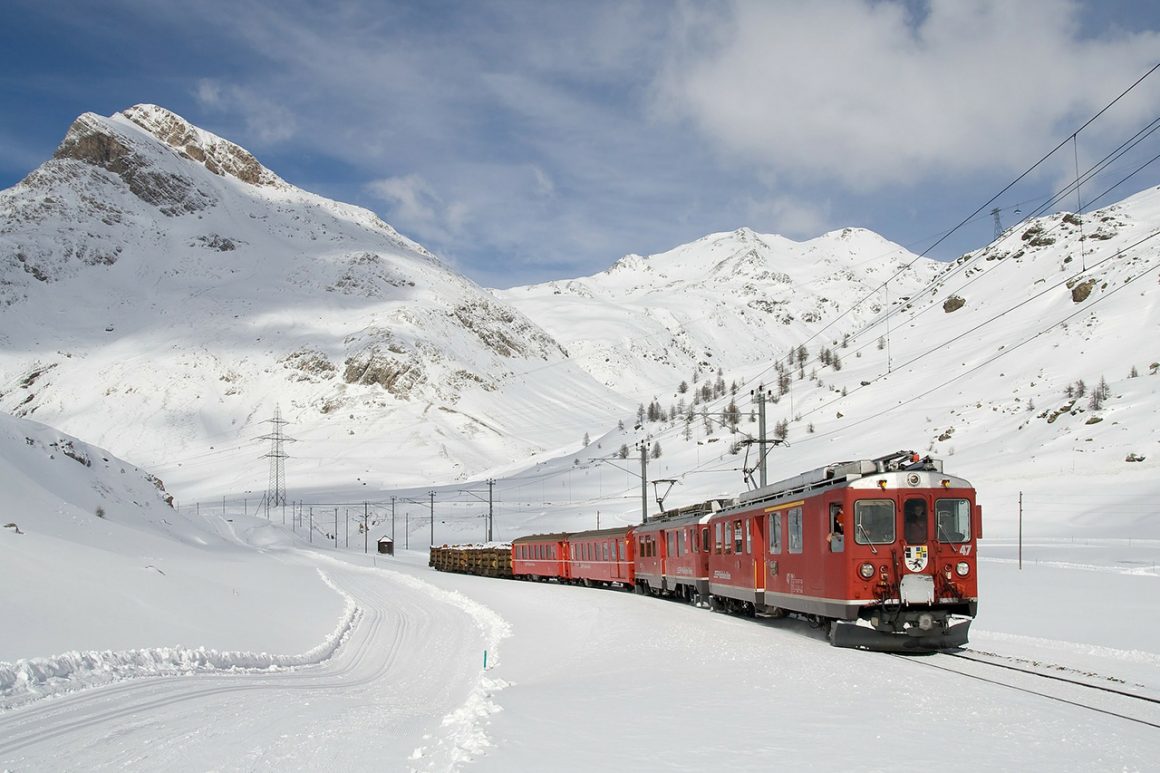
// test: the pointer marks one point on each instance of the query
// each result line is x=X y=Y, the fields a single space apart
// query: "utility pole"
x=759 y=394
x=432 y=495
x=312 y=525
x=1021 y=531
x=998 y=225
x=490 y=508
x=336 y=528
x=643 y=446
x=392 y=519
x=366 y=530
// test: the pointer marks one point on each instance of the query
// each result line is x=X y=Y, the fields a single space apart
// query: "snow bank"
x=30 y=679
x=463 y=736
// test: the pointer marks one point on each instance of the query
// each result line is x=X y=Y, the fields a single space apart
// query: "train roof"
x=616 y=531
x=556 y=537
x=901 y=469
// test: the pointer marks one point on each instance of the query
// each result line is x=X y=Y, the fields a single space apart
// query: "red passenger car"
x=602 y=557
x=540 y=557
x=884 y=549
x=673 y=553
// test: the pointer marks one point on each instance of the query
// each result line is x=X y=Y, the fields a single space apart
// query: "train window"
x=729 y=536
x=775 y=533
x=717 y=541
x=952 y=520
x=685 y=540
x=604 y=550
x=795 y=530
x=748 y=539
x=874 y=521
x=621 y=547
x=738 y=538
x=914 y=521
x=705 y=539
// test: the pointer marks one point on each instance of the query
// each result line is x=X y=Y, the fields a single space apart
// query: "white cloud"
x=412 y=199
x=265 y=119
x=790 y=216
x=866 y=94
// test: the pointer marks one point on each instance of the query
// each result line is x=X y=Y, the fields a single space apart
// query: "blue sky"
x=526 y=141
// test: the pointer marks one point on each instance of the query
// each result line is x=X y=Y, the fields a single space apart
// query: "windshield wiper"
x=862 y=529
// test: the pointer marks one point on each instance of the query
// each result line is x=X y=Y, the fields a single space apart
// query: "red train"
x=883 y=550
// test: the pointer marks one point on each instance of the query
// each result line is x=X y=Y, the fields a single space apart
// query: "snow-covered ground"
x=135 y=635
x=192 y=639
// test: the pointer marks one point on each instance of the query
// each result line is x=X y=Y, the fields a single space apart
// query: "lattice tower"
x=276 y=488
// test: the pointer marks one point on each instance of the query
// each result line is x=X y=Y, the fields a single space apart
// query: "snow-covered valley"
x=161 y=294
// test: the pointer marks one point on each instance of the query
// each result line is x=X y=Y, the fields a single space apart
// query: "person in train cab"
x=914 y=521
x=837 y=533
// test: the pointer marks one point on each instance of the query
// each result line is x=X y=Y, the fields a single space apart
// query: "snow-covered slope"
x=728 y=300
x=90 y=542
x=980 y=366
x=161 y=292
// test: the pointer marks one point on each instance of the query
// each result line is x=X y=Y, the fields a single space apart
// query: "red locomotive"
x=883 y=550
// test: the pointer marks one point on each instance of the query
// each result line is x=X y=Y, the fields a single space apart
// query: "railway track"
x=1115 y=687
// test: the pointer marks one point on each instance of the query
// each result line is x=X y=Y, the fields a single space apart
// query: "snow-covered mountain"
x=161 y=293
x=729 y=300
x=1030 y=366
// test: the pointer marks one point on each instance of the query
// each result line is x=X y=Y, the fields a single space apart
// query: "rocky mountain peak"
x=218 y=155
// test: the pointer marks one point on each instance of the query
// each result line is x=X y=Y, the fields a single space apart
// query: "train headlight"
x=926 y=621
x=866 y=570
x=963 y=568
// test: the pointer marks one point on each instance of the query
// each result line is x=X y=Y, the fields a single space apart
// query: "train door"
x=916 y=519
x=917 y=585
x=758 y=551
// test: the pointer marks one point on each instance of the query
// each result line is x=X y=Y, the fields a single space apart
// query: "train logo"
x=915 y=557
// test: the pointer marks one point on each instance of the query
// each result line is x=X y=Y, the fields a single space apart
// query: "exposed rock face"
x=217 y=155
x=89 y=142
x=503 y=332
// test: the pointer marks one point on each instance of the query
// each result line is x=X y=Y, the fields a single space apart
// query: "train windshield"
x=952 y=519
x=874 y=521
x=914 y=525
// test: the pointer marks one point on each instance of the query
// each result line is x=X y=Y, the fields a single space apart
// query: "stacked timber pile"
x=493 y=559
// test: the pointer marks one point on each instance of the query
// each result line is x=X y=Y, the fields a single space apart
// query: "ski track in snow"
x=380 y=681
x=463 y=736
x=32 y=679
x=1127 y=656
